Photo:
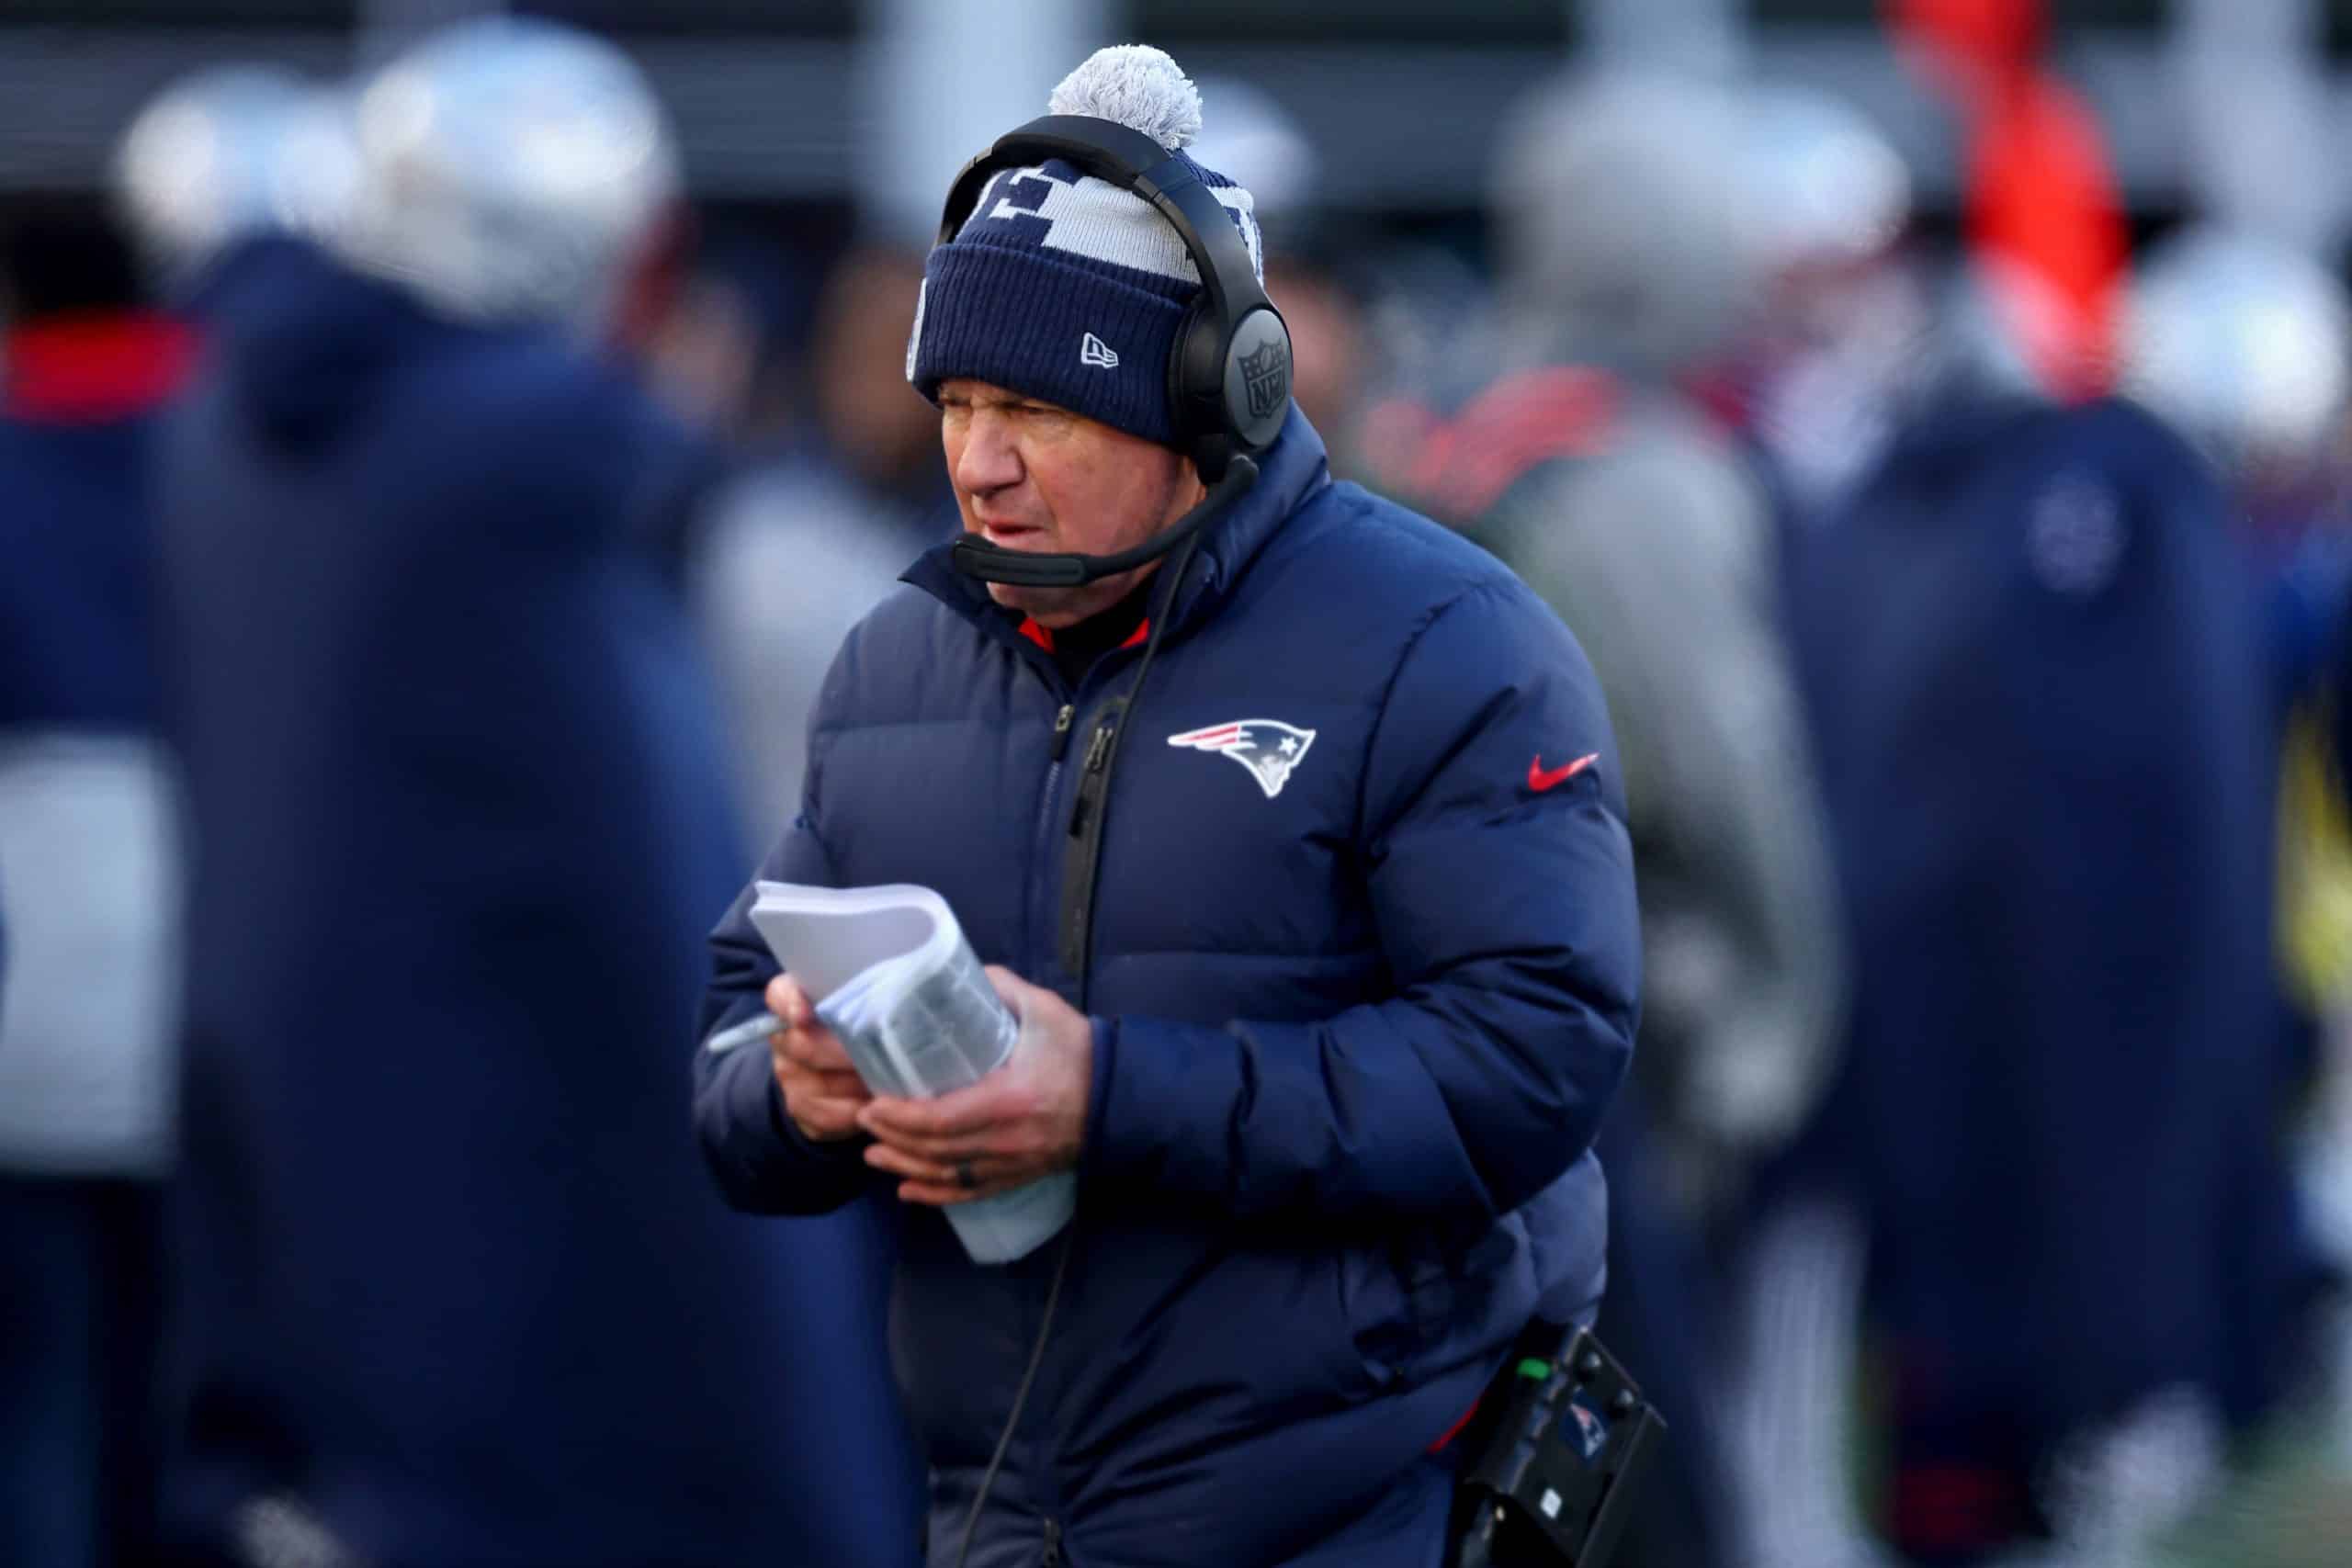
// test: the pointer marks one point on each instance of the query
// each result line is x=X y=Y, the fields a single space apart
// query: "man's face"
x=1030 y=475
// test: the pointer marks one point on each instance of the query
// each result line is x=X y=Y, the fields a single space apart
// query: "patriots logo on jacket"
x=1267 y=747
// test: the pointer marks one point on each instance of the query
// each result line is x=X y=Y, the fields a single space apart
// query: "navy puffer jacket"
x=1357 y=1022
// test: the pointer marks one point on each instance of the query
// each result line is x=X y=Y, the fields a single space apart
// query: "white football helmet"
x=230 y=152
x=1823 y=193
x=1615 y=201
x=2240 y=342
x=511 y=169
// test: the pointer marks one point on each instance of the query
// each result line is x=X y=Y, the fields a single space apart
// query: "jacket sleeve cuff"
x=1098 y=1092
x=837 y=1151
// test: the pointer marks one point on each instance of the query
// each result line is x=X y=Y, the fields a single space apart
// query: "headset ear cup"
x=1196 y=376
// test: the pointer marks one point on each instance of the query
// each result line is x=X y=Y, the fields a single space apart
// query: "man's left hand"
x=1024 y=1120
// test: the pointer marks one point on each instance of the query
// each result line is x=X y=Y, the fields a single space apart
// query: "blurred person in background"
x=1834 y=316
x=1589 y=467
x=455 y=1290
x=2035 y=677
x=2245 y=344
x=799 y=547
x=1832 y=320
x=2035 y=680
x=89 y=888
x=731 y=356
x=1335 y=358
x=89 y=804
x=1308 y=271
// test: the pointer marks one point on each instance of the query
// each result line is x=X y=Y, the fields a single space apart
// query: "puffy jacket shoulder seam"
x=1409 y=550
x=1428 y=618
x=905 y=616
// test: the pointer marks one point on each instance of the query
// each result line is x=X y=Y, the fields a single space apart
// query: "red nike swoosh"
x=1539 y=780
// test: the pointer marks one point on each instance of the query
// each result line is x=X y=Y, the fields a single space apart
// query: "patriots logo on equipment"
x=1267 y=747
x=1591 y=1432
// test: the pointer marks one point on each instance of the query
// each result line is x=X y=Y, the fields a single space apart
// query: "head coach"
x=1294 y=823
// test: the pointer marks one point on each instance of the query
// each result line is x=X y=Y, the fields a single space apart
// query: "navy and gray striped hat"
x=1068 y=289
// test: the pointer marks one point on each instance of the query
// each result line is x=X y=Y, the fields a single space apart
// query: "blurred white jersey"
x=1658 y=551
x=89 y=878
x=793 y=556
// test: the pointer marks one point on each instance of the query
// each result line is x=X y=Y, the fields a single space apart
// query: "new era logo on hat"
x=1093 y=350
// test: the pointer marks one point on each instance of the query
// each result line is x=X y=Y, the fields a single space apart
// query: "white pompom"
x=1138 y=86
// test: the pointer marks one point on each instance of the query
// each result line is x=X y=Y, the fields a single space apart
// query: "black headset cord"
x=1021 y=1396
x=1069 y=1237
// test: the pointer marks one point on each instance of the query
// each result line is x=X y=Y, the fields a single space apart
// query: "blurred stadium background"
x=817 y=137
x=778 y=102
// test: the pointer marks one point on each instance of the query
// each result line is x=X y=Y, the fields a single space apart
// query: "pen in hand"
x=752 y=1029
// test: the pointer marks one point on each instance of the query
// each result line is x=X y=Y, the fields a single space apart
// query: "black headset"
x=1230 y=370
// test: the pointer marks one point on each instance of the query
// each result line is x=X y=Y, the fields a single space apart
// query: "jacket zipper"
x=1086 y=852
x=1088 y=789
x=1052 y=1556
x=1041 y=855
x=1093 y=788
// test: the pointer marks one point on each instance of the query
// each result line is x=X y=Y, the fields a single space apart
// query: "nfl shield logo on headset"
x=1266 y=374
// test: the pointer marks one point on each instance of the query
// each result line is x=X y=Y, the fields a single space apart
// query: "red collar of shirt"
x=1044 y=636
x=85 y=369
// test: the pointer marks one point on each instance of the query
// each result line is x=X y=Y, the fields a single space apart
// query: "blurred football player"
x=458 y=1291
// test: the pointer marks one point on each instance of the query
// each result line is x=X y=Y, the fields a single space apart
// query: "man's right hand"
x=822 y=1093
